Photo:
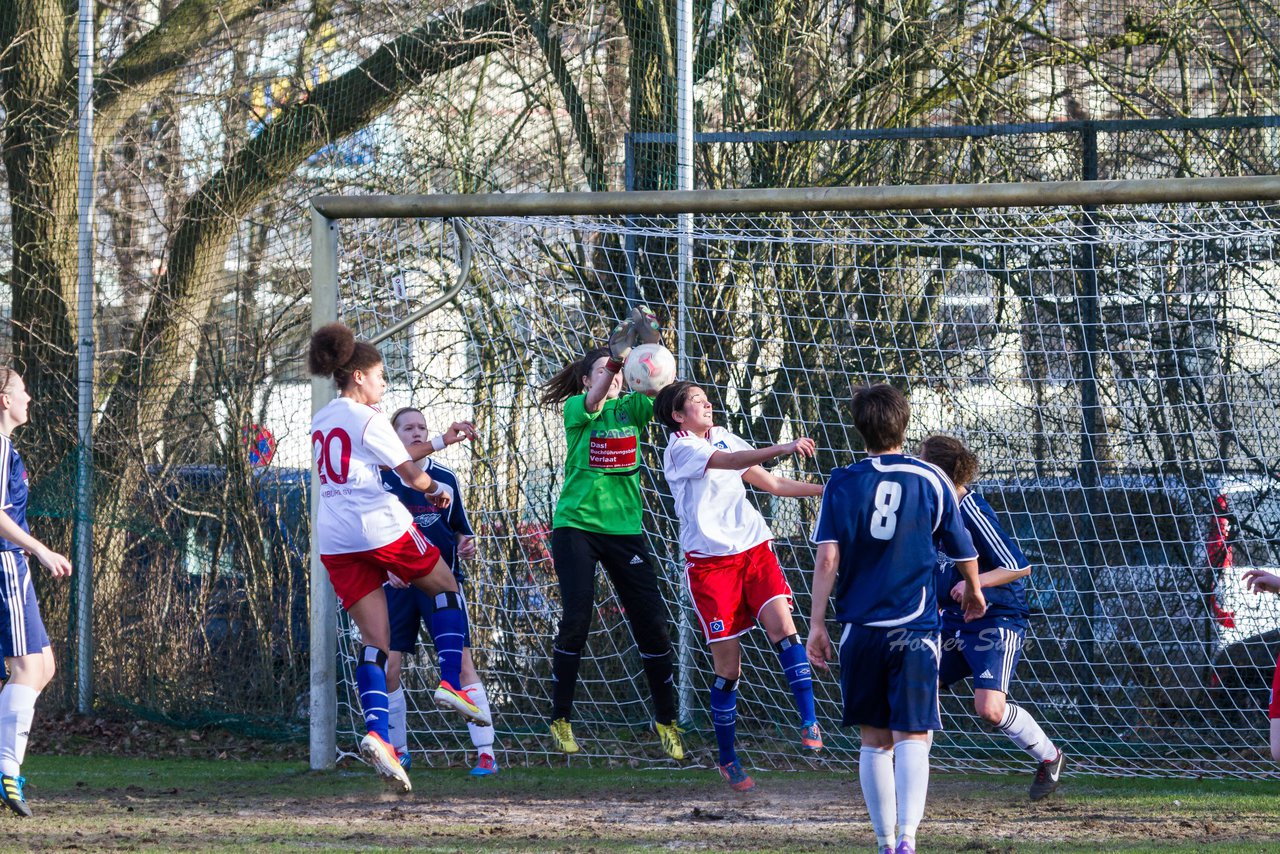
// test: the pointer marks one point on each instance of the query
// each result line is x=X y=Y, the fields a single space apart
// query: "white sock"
x=911 y=776
x=17 y=710
x=1026 y=733
x=481 y=736
x=875 y=773
x=397 y=726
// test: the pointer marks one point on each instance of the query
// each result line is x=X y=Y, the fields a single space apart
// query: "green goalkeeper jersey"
x=602 y=469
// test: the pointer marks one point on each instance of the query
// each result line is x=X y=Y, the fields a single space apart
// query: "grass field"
x=89 y=803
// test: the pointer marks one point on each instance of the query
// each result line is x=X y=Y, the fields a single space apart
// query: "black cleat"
x=1048 y=775
x=11 y=794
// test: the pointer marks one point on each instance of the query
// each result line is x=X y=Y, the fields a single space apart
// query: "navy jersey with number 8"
x=890 y=514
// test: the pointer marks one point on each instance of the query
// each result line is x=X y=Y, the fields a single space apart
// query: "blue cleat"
x=11 y=794
x=405 y=759
x=486 y=766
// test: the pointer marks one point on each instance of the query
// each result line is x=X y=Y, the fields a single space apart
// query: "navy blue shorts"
x=408 y=609
x=988 y=654
x=21 y=628
x=889 y=678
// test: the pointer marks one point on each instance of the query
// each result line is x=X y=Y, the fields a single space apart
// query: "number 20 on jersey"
x=332 y=452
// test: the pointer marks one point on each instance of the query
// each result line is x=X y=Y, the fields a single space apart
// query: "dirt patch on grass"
x=451 y=811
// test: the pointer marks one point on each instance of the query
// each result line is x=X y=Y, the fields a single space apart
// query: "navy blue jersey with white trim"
x=13 y=489
x=891 y=514
x=440 y=526
x=996 y=550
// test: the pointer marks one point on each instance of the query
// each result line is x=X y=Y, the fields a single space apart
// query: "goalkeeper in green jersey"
x=597 y=521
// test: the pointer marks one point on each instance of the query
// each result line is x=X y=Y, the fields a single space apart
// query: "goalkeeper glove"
x=640 y=328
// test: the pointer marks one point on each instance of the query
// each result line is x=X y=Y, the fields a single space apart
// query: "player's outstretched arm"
x=805 y=447
x=997 y=577
x=415 y=478
x=58 y=565
x=459 y=431
x=818 y=646
x=1256 y=580
x=783 y=487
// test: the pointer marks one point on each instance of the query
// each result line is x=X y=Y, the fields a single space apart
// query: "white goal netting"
x=1116 y=373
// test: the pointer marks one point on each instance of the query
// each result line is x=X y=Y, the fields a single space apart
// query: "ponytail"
x=335 y=352
x=568 y=381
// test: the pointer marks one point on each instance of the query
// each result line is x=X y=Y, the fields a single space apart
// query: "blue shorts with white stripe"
x=21 y=628
x=989 y=654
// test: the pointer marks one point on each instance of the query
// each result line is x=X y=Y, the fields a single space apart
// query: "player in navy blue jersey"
x=988 y=648
x=882 y=523
x=24 y=643
x=450 y=532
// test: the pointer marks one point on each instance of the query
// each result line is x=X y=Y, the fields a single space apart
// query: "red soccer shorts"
x=1274 y=711
x=729 y=591
x=357 y=574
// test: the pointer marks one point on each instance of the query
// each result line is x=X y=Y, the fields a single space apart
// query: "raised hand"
x=621 y=341
x=803 y=446
x=460 y=430
x=646 y=326
x=1261 y=581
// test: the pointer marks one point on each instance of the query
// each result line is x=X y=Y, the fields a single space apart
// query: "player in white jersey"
x=733 y=576
x=364 y=532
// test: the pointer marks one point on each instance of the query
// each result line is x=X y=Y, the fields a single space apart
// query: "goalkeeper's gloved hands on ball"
x=640 y=328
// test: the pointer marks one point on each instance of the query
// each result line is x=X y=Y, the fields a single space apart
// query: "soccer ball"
x=649 y=368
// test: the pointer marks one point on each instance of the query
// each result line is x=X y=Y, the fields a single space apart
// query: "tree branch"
x=150 y=66
x=162 y=347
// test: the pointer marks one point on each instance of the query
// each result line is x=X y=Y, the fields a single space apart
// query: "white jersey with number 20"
x=349 y=441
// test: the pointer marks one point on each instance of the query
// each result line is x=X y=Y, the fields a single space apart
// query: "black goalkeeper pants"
x=626 y=560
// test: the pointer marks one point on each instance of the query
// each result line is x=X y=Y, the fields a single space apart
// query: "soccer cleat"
x=811 y=737
x=486 y=766
x=562 y=735
x=449 y=697
x=405 y=759
x=905 y=847
x=383 y=758
x=737 y=779
x=1048 y=775
x=669 y=734
x=884 y=849
x=11 y=794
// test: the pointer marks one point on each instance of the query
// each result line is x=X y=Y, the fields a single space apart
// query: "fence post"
x=83 y=536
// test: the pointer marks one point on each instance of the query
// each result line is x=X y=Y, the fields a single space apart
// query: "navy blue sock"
x=724 y=716
x=796 y=665
x=371 y=679
x=448 y=631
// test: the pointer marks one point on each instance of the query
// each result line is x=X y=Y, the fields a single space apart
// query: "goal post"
x=1110 y=349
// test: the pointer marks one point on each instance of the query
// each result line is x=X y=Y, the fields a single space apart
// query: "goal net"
x=1115 y=369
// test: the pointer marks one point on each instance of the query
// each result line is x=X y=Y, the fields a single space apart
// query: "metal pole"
x=684 y=182
x=629 y=241
x=1091 y=420
x=324 y=602
x=84 y=331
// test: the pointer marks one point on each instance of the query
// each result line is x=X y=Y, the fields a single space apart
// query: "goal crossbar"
x=905 y=197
